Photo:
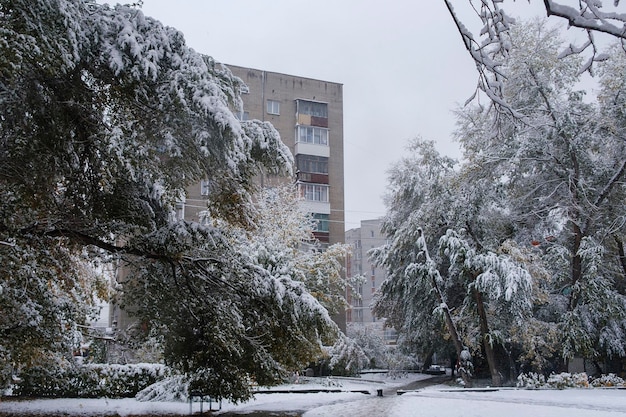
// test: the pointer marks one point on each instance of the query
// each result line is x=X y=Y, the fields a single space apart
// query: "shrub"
x=610 y=380
x=554 y=381
x=88 y=381
x=172 y=388
x=567 y=380
x=531 y=381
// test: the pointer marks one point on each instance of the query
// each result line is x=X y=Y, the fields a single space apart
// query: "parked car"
x=435 y=370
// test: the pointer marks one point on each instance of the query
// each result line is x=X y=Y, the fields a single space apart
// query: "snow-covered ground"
x=441 y=401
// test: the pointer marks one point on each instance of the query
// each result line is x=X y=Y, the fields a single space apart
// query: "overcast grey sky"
x=402 y=65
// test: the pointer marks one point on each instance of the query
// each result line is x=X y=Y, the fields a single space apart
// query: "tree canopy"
x=490 y=49
x=106 y=117
x=519 y=248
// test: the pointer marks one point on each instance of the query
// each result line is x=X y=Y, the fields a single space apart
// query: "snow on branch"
x=491 y=47
x=589 y=17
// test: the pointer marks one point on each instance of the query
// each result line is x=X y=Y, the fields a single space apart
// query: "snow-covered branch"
x=492 y=45
x=590 y=17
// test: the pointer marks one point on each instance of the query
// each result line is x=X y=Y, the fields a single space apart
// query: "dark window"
x=321 y=221
x=313 y=108
x=312 y=164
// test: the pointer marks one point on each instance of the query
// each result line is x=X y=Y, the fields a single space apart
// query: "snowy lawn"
x=441 y=401
x=261 y=402
x=593 y=402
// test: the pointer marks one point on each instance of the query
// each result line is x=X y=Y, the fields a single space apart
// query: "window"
x=314 y=192
x=313 y=108
x=242 y=116
x=180 y=210
x=310 y=134
x=205 y=187
x=273 y=107
x=312 y=164
x=321 y=222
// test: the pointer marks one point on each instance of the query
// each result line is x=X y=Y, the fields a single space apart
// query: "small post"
x=193 y=394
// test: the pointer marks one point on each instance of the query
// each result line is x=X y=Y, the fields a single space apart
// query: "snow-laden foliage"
x=561 y=162
x=496 y=275
x=283 y=242
x=468 y=286
x=226 y=315
x=562 y=380
x=489 y=40
x=88 y=381
x=106 y=117
x=171 y=388
x=565 y=380
x=521 y=245
x=347 y=357
x=238 y=304
x=609 y=380
x=373 y=346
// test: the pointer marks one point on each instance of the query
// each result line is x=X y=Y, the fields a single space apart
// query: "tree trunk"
x=622 y=260
x=454 y=334
x=576 y=265
x=484 y=332
x=428 y=359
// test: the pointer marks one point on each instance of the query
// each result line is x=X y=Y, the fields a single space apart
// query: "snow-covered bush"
x=331 y=382
x=101 y=380
x=567 y=380
x=554 y=381
x=127 y=380
x=173 y=388
x=398 y=363
x=531 y=381
x=346 y=357
x=610 y=380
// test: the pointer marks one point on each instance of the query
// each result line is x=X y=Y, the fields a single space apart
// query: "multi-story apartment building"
x=363 y=239
x=308 y=114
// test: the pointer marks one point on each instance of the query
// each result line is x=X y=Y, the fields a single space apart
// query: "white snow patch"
x=441 y=401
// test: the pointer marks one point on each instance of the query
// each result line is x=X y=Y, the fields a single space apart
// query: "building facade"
x=308 y=114
x=362 y=240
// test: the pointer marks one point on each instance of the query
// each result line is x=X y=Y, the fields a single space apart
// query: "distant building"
x=308 y=114
x=363 y=239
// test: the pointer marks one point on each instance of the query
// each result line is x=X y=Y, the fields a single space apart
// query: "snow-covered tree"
x=106 y=117
x=248 y=302
x=474 y=285
x=560 y=161
x=283 y=235
x=228 y=311
x=373 y=346
x=418 y=185
x=491 y=47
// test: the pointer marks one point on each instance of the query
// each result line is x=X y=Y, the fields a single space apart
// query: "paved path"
x=374 y=405
x=370 y=405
